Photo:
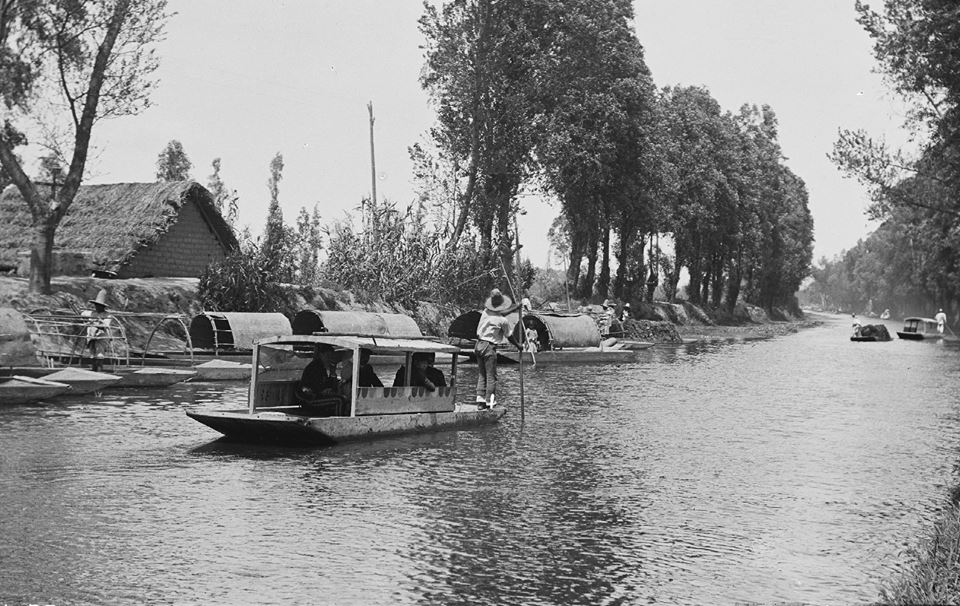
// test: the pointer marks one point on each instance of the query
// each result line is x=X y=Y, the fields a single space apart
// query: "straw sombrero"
x=498 y=301
x=101 y=298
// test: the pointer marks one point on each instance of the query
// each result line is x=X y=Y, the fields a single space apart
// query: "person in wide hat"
x=98 y=323
x=493 y=331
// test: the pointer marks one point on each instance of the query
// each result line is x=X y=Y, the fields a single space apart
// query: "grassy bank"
x=933 y=577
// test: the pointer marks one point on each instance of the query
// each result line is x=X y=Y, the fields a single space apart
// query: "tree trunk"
x=603 y=281
x=586 y=287
x=41 y=258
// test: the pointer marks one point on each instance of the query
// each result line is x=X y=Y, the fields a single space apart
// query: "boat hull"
x=151 y=377
x=83 y=381
x=288 y=429
x=223 y=370
x=570 y=356
x=915 y=336
x=24 y=390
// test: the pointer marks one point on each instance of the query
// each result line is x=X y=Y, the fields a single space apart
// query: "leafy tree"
x=225 y=199
x=392 y=257
x=173 y=163
x=277 y=239
x=243 y=282
x=478 y=70
x=93 y=57
x=598 y=123
x=309 y=243
x=915 y=44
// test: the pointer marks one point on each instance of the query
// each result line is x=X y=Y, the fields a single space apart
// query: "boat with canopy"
x=276 y=413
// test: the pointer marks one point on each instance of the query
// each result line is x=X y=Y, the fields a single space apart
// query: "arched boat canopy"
x=560 y=330
x=465 y=325
x=235 y=330
x=311 y=321
x=554 y=330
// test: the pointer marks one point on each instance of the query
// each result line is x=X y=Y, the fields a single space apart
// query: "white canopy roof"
x=375 y=344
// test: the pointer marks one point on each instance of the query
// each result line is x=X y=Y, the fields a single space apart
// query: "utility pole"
x=373 y=160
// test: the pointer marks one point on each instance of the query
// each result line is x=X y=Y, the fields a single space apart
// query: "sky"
x=242 y=80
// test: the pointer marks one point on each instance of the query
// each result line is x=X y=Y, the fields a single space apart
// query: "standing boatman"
x=941 y=319
x=493 y=331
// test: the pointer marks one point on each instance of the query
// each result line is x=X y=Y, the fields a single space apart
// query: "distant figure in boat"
x=885 y=315
x=319 y=379
x=493 y=332
x=856 y=326
x=625 y=315
x=419 y=374
x=366 y=377
x=98 y=322
x=941 y=319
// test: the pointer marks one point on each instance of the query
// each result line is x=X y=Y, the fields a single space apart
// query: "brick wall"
x=184 y=251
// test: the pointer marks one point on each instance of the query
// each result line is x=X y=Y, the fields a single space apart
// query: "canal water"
x=802 y=468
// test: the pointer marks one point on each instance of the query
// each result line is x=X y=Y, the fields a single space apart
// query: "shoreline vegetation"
x=933 y=576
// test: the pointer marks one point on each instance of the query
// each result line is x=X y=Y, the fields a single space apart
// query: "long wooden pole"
x=373 y=160
x=522 y=332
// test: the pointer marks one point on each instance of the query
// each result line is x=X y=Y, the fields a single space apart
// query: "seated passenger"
x=434 y=374
x=368 y=378
x=319 y=378
x=418 y=375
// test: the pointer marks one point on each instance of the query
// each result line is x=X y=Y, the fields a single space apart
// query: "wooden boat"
x=918 y=329
x=83 y=381
x=273 y=412
x=150 y=376
x=872 y=333
x=18 y=389
x=561 y=338
x=223 y=370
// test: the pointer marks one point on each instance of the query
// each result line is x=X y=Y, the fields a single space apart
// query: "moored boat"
x=18 y=389
x=275 y=413
x=147 y=376
x=82 y=381
x=560 y=338
x=223 y=370
x=872 y=333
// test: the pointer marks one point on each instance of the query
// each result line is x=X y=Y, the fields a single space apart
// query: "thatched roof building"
x=135 y=230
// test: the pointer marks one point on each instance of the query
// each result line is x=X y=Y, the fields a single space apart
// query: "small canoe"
x=148 y=376
x=82 y=381
x=223 y=370
x=18 y=389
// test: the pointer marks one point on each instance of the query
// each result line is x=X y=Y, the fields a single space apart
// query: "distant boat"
x=82 y=381
x=872 y=332
x=919 y=329
x=147 y=376
x=272 y=411
x=18 y=389
x=223 y=370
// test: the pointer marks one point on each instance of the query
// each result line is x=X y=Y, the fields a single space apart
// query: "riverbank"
x=179 y=296
x=934 y=575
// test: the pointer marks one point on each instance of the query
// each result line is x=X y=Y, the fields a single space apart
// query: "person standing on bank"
x=97 y=330
x=493 y=331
